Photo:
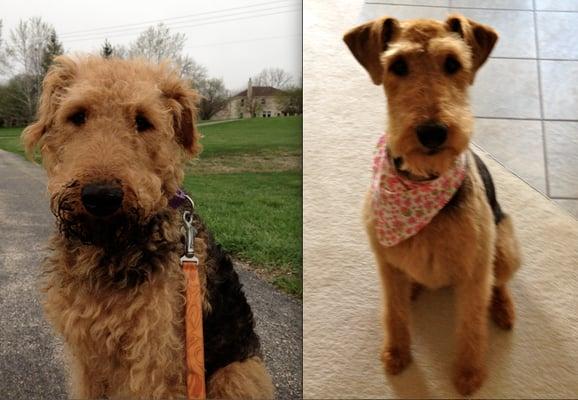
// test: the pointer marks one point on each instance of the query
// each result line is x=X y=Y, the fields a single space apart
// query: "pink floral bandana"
x=402 y=207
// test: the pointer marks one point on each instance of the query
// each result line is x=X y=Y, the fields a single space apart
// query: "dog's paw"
x=502 y=311
x=395 y=360
x=468 y=379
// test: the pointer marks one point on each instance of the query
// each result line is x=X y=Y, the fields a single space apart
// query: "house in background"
x=255 y=101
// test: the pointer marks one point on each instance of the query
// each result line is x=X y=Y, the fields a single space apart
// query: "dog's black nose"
x=101 y=199
x=432 y=134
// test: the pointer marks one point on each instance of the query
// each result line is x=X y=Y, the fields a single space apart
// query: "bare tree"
x=157 y=44
x=26 y=47
x=215 y=97
x=191 y=70
x=120 y=51
x=275 y=77
x=3 y=53
x=290 y=100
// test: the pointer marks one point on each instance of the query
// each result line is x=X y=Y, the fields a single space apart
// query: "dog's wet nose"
x=101 y=199
x=432 y=134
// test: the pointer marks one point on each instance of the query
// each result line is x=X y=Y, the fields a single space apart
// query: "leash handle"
x=195 y=355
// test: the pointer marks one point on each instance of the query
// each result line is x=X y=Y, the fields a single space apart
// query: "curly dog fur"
x=426 y=68
x=113 y=285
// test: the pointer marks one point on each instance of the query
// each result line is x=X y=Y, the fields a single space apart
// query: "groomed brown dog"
x=114 y=136
x=432 y=214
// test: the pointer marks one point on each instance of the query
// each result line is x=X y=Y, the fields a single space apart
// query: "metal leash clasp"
x=190 y=233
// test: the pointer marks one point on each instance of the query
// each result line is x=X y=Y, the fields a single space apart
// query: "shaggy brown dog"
x=114 y=136
x=426 y=68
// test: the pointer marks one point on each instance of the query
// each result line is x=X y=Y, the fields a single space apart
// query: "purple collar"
x=178 y=199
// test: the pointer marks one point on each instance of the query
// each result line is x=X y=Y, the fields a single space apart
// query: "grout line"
x=407 y=5
x=491 y=8
x=564 y=198
x=510 y=170
x=540 y=93
x=527 y=119
x=393 y=3
x=535 y=58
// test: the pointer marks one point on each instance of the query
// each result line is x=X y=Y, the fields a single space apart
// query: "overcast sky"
x=233 y=39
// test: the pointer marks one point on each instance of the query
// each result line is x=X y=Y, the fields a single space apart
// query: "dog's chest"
x=447 y=249
x=110 y=324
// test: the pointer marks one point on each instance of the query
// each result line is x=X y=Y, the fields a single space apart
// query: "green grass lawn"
x=261 y=136
x=247 y=187
x=10 y=140
x=247 y=184
x=257 y=217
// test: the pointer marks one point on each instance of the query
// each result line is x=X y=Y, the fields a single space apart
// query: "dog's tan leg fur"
x=396 y=353
x=397 y=291
x=506 y=263
x=84 y=381
x=241 y=380
x=472 y=297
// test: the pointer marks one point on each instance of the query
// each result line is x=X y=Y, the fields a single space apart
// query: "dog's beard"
x=112 y=233
x=132 y=246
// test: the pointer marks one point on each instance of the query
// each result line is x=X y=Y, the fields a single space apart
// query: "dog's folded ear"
x=369 y=40
x=183 y=102
x=481 y=38
x=59 y=77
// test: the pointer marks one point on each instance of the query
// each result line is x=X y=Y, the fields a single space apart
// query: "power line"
x=179 y=23
x=102 y=36
x=244 y=41
x=185 y=17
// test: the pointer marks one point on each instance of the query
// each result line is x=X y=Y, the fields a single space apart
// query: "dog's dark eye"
x=451 y=65
x=399 y=67
x=142 y=123
x=78 y=118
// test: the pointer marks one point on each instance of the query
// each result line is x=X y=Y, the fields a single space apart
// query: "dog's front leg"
x=396 y=353
x=85 y=382
x=472 y=297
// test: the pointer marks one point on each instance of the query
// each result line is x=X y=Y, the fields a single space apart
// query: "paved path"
x=201 y=124
x=31 y=358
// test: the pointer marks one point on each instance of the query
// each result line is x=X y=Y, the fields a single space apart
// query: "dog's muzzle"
x=101 y=199
x=432 y=134
x=93 y=213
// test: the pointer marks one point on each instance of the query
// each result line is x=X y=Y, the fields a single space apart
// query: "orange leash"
x=194 y=346
x=194 y=333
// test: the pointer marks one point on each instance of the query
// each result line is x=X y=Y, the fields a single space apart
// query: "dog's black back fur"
x=488 y=187
x=229 y=328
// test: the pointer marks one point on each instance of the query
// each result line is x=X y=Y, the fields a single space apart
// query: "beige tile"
x=508 y=4
x=371 y=11
x=437 y=3
x=562 y=158
x=507 y=89
x=570 y=205
x=516 y=30
x=560 y=89
x=562 y=5
x=515 y=144
x=556 y=33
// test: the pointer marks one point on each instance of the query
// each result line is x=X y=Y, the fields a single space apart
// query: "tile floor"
x=526 y=96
